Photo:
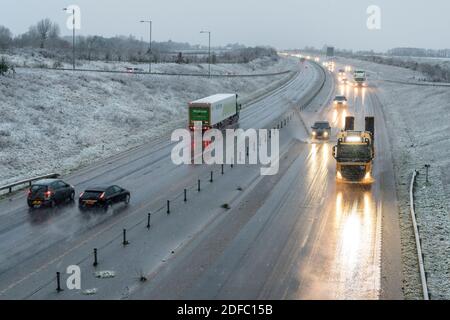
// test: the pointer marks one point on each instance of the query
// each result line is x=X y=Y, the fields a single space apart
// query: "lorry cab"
x=354 y=153
x=360 y=78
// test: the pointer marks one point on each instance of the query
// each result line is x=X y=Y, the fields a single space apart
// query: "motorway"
x=295 y=235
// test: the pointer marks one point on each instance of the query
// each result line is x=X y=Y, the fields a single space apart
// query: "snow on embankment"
x=60 y=120
x=419 y=121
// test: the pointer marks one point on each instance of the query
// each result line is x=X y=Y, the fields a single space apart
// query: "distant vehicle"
x=344 y=80
x=103 y=197
x=49 y=192
x=321 y=129
x=360 y=78
x=341 y=72
x=340 y=100
x=217 y=111
x=331 y=65
x=133 y=70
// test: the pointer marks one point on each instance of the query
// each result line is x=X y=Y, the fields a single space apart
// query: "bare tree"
x=5 y=37
x=54 y=31
x=91 y=46
x=44 y=28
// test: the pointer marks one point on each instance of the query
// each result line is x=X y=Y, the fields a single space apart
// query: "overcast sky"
x=279 y=23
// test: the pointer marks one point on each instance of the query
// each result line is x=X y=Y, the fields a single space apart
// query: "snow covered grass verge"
x=418 y=120
x=59 y=121
x=28 y=59
x=425 y=70
x=434 y=225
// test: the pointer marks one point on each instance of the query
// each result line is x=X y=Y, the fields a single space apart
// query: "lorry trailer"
x=217 y=111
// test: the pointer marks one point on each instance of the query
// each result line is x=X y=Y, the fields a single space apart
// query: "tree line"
x=435 y=72
x=45 y=35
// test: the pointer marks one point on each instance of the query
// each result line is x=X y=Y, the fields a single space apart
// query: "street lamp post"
x=150 y=44
x=209 y=51
x=73 y=36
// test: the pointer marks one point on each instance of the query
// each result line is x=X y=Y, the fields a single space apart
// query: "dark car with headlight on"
x=321 y=130
x=103 y=197
x=340 y=100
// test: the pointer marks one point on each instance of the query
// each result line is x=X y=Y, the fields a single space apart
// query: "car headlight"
x=314 y=133
x=325 y=134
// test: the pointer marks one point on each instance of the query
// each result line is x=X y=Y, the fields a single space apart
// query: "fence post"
x=198 y=185
x=148 y=220
x=58 y=282
x=168 y=206
x=427 y=167
x=125 y=242
x=95 y=258
x=185 y=195
x=211 y=178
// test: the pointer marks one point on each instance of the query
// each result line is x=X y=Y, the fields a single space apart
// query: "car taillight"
x=47 y=194
x=28 y=192
x=102 y=196
x=81 y=194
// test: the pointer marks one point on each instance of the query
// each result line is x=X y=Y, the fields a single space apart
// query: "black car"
x=103 y=197
x=49 y=192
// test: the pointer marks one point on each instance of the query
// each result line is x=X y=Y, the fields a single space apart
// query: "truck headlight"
x=314 y=133
x=339 y=175
x=325 y=134
x=368 y=176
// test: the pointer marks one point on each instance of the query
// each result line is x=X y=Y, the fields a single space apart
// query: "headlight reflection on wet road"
x=355 y=259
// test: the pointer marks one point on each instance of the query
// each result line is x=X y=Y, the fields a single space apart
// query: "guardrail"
x=10 y=187
x=316 y=93
x=423 y=277
x=269 y=90
x=422 y=84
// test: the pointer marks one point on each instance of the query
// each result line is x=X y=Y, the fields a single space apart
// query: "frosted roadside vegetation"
x=60 y=120
x=419 y=126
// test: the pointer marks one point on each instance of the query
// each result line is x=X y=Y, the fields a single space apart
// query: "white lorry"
x=217 y=111
x=360 y=78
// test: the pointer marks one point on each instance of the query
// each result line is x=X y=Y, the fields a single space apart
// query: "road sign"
x=330 y=51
